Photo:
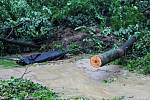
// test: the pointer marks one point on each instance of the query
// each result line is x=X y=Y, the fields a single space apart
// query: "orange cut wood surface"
x=95 y=61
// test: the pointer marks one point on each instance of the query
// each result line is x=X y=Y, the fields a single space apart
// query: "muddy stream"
x=75 y=77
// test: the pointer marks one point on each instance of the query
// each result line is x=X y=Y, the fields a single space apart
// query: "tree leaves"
x=21 y=88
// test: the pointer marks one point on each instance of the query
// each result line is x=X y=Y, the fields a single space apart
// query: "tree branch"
x=20 y=43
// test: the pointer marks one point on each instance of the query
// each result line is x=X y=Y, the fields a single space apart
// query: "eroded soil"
x=71 y=78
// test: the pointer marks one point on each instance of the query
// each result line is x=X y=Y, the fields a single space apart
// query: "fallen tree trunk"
x=98 y=61
x=20 y=43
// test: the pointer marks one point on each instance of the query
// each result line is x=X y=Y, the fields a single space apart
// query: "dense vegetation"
x=107 y=24
x=51 y=23
x=19 y=89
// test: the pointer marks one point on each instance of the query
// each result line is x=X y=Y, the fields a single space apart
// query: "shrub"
x=77 y=8
x=124 y=15
x=16 y=88
x=79 y=20
x=140 y=64
x=142 y=46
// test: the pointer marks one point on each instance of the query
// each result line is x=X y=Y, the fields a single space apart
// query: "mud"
x=77 y=78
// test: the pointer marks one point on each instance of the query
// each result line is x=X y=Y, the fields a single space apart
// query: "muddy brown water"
x=72 y=78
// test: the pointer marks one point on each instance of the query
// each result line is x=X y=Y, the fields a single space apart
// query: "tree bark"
x=20 y=43
x=98 y=61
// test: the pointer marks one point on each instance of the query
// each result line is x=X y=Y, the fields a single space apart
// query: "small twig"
x=25 y=72
x=10 y=33
x=107 y=71
x=110 y=71
x=146 y=9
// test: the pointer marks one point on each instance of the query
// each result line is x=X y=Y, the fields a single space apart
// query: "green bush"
x=124 y=15
x=142 y=46
x=140 y=64
x=79 y=20
x=26 y=20
x=29 y=28
x=86 y=8
x=18 y=89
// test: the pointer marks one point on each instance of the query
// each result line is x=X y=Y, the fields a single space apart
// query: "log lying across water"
x=98 y=61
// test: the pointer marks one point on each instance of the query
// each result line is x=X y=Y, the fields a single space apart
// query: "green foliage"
x=137 y=58
x=124 y=15
x=136 y=64
x=27 y=28
x=14 y=9
x=74 y=48
x=78 y=8
x=57 y=46
x=71 y=7
x=7 y=63
x=115 y=98
x=16 y=88
x=80 y=98
x=79 y=20
x=36 y=19
x=91 y=43
x=25 y=21
x=32 y=19
x=141 y=64
x=142 y=46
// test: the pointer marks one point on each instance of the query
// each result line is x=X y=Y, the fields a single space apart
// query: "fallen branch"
x=10 y=33
x=98 y=61
x=20 y=43
x=25 y=72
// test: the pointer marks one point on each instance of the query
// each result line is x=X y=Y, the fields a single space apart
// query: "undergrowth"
x=36 y=21
x=140 y=64
x=107 y=23
x=19 y=89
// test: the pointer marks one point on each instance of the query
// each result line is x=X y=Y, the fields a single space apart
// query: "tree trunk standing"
x=98 y=61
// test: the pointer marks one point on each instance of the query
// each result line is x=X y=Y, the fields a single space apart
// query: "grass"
x=7 y=63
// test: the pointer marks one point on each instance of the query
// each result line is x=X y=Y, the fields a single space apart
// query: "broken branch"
x=20 y=43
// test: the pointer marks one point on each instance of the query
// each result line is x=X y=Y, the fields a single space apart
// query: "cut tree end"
x=96 y=62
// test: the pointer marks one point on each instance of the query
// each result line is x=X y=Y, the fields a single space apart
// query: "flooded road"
x=72 y=78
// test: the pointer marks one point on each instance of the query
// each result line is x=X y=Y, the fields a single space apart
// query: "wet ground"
x=72 y=78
